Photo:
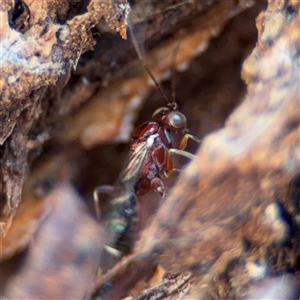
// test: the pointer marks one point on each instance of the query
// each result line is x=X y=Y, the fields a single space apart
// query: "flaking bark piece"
x=38 y=57
x=40 y=43
x=33 y=209
x=172 y=287
x=64 y=254
x=27 y=221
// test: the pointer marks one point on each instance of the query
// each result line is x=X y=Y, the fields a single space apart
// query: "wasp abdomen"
x=122 y=225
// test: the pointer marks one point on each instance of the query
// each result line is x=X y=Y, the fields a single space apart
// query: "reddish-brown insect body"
x=149 y=160
x=157 y=163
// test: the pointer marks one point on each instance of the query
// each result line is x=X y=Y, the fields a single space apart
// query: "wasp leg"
x=182 y=153
x=184 y=140
x=101 y=189
x=159 y=187
x=169 y=165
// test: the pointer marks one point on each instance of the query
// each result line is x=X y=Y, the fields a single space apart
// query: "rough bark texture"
x=230 y=226
x=40 y=44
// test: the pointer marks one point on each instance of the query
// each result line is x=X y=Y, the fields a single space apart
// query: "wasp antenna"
x=134 y=42
x=173 y=72
x=157 y=85
x=140 y=56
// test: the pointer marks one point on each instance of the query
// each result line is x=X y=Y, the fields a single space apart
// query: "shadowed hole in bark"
x=19 y=17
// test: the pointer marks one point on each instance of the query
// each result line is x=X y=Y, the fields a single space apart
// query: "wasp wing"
x=131 y=170
x=121 y=218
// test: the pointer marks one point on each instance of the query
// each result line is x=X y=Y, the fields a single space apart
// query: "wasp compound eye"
x=177 y=120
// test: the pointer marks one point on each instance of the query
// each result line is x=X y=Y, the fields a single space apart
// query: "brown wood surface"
x=72 y=90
